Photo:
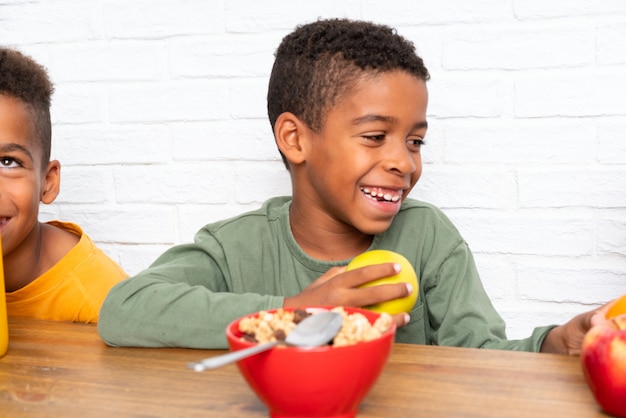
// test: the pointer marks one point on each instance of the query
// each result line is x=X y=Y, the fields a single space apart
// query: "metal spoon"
x=313 y=331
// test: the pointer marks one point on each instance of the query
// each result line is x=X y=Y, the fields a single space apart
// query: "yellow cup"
x=4 y=326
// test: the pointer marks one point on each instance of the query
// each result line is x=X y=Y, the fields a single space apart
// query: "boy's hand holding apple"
x=378 y=281
x=405 y=275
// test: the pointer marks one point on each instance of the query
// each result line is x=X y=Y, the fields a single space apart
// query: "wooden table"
x=59 y=369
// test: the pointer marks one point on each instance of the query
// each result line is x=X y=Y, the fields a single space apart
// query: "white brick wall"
x=160 y=124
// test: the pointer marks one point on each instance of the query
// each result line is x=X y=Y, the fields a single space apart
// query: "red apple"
x=603 y=358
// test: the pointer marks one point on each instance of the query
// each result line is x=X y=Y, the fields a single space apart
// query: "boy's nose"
x=400 y=160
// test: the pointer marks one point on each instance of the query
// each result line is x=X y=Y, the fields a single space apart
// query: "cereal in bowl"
x=268 y=326
x=357 y=328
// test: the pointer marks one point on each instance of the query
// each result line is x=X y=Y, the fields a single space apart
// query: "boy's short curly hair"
x=320 y=61
x=24 y=79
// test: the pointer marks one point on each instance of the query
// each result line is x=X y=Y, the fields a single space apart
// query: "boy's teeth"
x=380 y=195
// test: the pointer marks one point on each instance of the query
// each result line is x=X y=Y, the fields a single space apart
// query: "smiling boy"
x=347 y=103
x=52 y=270
x=369 y=154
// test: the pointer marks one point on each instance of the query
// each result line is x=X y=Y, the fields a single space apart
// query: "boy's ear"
x=51 y=182
x=291 y=135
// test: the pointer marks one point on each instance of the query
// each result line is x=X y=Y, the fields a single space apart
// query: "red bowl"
x=316 y=382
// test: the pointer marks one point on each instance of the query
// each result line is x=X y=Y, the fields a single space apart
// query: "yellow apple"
x=407 y=274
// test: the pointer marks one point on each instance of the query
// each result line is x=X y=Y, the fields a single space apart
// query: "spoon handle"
x=218 y=361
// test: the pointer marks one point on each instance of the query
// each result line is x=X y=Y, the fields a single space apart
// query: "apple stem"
x=621 y=325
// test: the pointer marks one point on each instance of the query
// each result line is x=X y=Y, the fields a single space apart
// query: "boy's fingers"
x=330 y=273
x=362 y=275
x=401 y=319
x=382 y=293
x=599 y=315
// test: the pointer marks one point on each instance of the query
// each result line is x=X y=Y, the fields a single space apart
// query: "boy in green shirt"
x=347 y=103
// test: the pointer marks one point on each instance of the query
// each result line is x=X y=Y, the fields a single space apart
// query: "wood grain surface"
x=60 y=369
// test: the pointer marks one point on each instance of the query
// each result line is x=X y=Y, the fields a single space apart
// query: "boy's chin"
x=374 y=228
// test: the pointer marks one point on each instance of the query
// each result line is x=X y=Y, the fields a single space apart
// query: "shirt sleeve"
x=182 y=300
x=461 y=313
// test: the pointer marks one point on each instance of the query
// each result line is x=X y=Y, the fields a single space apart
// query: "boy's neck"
x=44 y=246
x=329 y=244
x=22 y=263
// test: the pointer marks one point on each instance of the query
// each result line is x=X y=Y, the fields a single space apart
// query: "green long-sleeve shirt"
x=187 y=297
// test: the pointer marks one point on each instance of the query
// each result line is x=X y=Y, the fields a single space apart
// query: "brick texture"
x=160 y=125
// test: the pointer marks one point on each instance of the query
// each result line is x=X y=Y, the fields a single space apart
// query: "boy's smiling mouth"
x=3 y=221
x=380 y=194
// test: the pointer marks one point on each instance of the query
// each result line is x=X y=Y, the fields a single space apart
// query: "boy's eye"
x=9 y=162
x=416 y=144
x=377 y=137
